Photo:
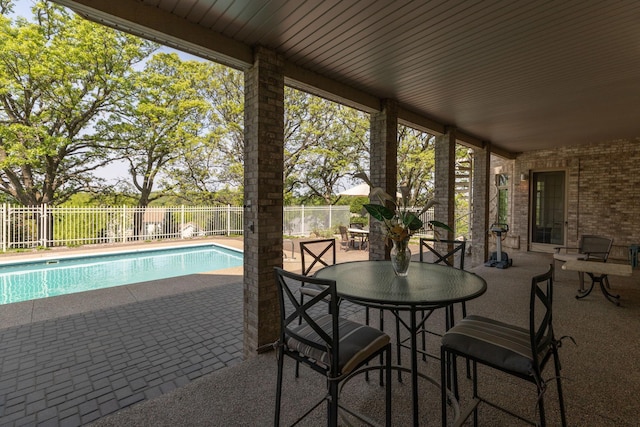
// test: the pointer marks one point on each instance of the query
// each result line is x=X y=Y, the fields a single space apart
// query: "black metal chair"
x=522 y=352
x=328 y=344
x=346 y=241
x=451 y=253
x=316 y=254
x=590 y=248
x=453 y=257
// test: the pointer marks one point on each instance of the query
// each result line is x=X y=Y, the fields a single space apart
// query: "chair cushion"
x=489 y=341
x=357 y=342
x=311 y=289
x=570 y=257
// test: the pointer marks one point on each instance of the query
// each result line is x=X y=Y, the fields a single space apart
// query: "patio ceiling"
x=524 y=75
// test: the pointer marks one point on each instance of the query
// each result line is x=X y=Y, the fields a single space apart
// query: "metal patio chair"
x=314 y=254
x=328 y=344
x=453 y=257
x=590 y=248
x=521 y=352
x=346 y=241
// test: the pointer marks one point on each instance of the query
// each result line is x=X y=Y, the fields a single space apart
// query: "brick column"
x=480 y=205
x=263 y=194
x=384 y=167
x=445 y=177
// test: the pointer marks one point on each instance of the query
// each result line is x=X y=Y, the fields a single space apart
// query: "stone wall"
x=602 y=190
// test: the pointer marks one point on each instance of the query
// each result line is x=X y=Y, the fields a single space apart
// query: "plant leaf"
x=439 y=224
x=379 y=212
x=381 y=195
x=412 y=222
x=363 y=176
x=429 y=204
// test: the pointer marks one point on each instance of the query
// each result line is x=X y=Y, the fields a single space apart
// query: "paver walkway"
x=73 y=370
x=82 y=364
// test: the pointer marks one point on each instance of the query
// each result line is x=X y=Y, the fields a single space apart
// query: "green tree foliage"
x=6 y=7
x=213 y=171
x=72 y=99
x=416 y=164
x=325 y=142
x=162 y=120
x=57 y=76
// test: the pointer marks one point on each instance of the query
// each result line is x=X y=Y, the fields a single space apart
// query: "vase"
x=401 y=256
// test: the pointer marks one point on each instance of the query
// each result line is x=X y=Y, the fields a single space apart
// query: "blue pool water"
x=46 y=278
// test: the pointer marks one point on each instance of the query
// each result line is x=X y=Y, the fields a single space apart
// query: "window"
x=502 y=181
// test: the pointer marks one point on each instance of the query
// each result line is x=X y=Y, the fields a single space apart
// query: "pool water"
x=46 y=278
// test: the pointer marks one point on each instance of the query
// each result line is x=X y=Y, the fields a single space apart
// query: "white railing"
x=304 y=220
x=48 y=226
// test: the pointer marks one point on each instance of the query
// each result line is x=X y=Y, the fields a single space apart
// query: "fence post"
x=5 y=226
x=330 y=217
x=123 y=225
x=43 y=225
x=228 y=220
x=181 y=221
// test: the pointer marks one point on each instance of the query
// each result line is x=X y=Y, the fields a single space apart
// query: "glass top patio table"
x=426 y=287
x=375 y=283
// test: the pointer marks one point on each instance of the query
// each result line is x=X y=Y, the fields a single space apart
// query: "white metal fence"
x=304 y=220
x=47 y=226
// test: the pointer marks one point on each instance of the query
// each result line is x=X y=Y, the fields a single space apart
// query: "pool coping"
x=139 y=249
x=26 y=312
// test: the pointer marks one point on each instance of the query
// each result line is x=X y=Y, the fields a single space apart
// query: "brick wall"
x=602 y=190
x=384 y=134
x=445 y=175
x=481 y=177
x=264 y=159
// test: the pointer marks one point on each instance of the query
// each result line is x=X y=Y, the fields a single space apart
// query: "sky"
x=22 y=7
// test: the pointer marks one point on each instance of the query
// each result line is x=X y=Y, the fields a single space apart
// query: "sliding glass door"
x=548 y=211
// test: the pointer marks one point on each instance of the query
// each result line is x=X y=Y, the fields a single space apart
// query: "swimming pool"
x=45 y=278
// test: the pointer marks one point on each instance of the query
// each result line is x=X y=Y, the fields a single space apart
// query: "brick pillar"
x=263 y=194
x=480 y=205
x=445 y=180
x=384 y=167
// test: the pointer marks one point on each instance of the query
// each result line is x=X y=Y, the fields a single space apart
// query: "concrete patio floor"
x=168 y=353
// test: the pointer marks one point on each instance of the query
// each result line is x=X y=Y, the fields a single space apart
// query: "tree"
x=57 y=76
x=6 y=7
x=213 y=171
x=324 y=143
x=416 y=164
x=163 y=120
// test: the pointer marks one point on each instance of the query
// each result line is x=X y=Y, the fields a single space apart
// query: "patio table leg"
x=414 y=366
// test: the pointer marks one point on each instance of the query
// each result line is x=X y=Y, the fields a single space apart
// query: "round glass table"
x=427 y=286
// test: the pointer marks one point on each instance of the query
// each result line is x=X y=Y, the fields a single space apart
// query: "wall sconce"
x=524 y=176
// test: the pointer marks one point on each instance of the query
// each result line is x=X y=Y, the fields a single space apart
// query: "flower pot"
x=401 y=256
